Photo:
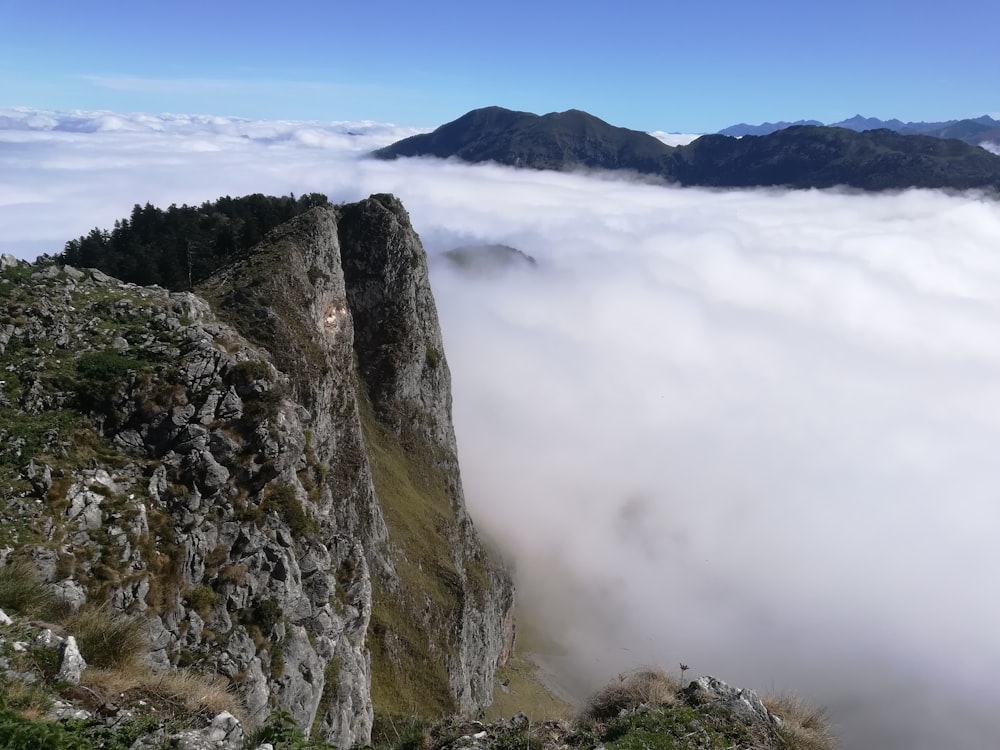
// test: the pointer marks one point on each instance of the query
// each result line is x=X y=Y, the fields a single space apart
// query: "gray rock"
x=9 y=261
x=62 y=711
x=84 y=507
x=70 y=593
x=48 y=272
x=227 y=727
x=47 y=638
x=742 y=703
x=231 y=406
x=71 y=662
x=40 y=477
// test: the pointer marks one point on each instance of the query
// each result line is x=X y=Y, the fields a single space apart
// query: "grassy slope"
x=409 y=675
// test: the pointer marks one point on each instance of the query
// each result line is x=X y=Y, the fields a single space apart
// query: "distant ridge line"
x=797 y=156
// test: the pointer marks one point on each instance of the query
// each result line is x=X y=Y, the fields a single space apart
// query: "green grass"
x=408 y=644
x=517 y=688
x=673 y=728
x=20 y=733
x=331 y=684
x=282 y=733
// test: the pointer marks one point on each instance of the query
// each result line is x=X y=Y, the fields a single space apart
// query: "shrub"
x=280 y=497
x=202 y=600
x=100 y=375
x=652 y=687
x=121 y=736
x=248 y=371
x=104 y=366
x=265 y=615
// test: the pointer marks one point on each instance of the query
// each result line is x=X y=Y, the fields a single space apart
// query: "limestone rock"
x=742 y=703
x=71 y=593
x=71 y=662
x=9 y=261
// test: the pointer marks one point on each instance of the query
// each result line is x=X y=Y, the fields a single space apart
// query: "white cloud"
x=675 y=139
x=754 y=431
x=51 y=161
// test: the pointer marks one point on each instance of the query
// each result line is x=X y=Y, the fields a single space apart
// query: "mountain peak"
x=557 y=140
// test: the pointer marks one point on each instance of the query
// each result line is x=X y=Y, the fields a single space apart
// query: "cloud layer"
x=753 y=431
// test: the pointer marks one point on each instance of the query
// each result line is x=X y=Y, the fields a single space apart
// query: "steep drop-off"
x=265 y=473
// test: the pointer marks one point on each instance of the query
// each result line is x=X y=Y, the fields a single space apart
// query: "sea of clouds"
x=752 y=431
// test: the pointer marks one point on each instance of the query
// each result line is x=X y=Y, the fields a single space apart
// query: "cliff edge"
x=263 y=473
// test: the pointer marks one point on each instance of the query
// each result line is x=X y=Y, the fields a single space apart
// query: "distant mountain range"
x=974 y=131
x=801 y=156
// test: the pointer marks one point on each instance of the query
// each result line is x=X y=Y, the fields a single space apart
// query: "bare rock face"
x=401 y=359
x=265 y=472
x=398 y=336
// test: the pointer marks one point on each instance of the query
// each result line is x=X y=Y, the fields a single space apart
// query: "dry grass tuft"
x=652 y=687
x=21 y=592
x=107 y=639
x=177 y=692
x=805 y=727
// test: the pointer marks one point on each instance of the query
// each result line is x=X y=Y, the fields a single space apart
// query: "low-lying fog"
x=753 y=431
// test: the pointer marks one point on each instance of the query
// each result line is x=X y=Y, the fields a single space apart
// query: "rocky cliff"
x=264 y=473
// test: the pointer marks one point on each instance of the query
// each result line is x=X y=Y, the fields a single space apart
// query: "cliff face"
x=444 y=590
x=266 y=472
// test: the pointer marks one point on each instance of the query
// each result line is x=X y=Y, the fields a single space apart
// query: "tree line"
x=182 y=245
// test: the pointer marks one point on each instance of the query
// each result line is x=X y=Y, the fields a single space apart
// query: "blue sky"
x=651 y=66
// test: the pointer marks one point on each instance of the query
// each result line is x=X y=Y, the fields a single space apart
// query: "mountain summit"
x=558 y=140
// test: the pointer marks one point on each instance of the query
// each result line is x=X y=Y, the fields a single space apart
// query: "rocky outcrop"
x=265 y=472
x=740 y=703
